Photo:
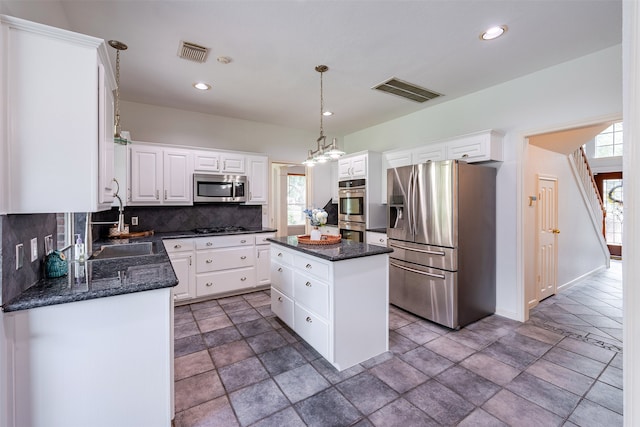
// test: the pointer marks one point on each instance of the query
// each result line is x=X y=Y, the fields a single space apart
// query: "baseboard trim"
x=579 y=279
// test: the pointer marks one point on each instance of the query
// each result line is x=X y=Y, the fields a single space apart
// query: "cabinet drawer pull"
x=279 y=269
x=308 y=319
x=243 y=241
x=209 y=261
x=242 y=279
x=308 y=284
x=177 y=246
x=280 y=299
x=209 y=243
x=308 y=266
x=209 y=284
x=381 y=240
x=279 y=254
x=464 y=156
x=243 y=257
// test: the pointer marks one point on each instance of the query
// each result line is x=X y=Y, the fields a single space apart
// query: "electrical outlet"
x=34 y=249
x=134 y=220
x=19 y=255
x=48 y=244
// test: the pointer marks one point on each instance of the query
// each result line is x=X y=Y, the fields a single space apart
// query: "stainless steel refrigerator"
x=442 y=228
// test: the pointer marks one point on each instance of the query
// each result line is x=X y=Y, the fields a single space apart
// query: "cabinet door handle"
x=308 y=284
x=243 y=257
x=280 y=299
x=209 y=261
x=209 y=243
x=209 y=284
x=280 y=254
x=243 y=241
x=308 y=266
x=165 y=194
x=177 y=246
x=308 y=319
x=464 y=156
x=189 y=260
x=242 y=279
x=381 y=240
x=157 y=194
x=279 y=269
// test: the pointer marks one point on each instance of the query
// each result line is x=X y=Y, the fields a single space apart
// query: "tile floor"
x=237 y=365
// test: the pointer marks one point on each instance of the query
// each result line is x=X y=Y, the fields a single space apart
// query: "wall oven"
x=352 y=201
x=354 y=231
x=219 y=188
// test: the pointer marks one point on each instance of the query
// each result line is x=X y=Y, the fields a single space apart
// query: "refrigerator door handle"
x=424 y=273
x=410 y=203
x=414 y=201
x=424 y=251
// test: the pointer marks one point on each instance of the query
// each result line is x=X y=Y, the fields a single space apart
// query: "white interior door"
x=547 y=226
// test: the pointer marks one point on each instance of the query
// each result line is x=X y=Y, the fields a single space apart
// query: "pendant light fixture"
x=324 y=151
x=117 y=136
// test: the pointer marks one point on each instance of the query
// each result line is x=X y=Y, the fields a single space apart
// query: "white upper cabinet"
x=429 y=153
x=56 y=149
x=206 y=161
x=258 y=177
x=159 y=176
x=232 y=163
x=352 y=167
x=477 y=147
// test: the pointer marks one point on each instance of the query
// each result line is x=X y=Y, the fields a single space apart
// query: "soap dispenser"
x=79 y=250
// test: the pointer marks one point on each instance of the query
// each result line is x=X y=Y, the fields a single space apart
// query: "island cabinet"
x=338 y=307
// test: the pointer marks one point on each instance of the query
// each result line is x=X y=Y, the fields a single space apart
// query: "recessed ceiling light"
x=493 y=32
x=327 y=113
x=202 y=86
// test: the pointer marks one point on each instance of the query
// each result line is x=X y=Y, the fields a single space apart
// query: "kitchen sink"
x=123 y=250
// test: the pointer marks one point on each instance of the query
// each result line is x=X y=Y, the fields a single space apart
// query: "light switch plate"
x=34 y=249
x=134 y=220
x=19 y=255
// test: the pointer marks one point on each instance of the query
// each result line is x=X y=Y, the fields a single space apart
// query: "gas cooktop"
x=223 y=229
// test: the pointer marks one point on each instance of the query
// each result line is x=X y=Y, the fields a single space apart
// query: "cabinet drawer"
x=278 y=255
x=178 y=245
x=261 y=239
x=225 y=281
x=311 y=293
x=312 y=329
x=312 y=266
x=471 y=149
x=282 y=306
x=282 y=278
x=224 y=241
x=377 y=239
x=224 y=259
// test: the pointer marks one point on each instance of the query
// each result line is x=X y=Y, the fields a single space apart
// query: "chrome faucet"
x=90 y=223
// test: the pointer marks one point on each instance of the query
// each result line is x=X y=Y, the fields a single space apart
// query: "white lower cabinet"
x=340 y=308
x=181 y=254
x=219 y=265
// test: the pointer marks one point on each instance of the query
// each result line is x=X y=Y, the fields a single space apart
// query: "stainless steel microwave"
x=219 y=188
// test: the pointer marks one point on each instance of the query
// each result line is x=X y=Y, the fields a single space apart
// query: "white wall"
x=579 y=249
x=164 y=125
x=562 y=96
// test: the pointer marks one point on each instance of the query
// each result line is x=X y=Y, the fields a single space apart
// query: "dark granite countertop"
x=109 y=277
x=377 y=230
x=346 y=249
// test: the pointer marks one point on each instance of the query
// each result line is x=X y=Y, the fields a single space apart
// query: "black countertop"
x=109 y=277
x=346 y=249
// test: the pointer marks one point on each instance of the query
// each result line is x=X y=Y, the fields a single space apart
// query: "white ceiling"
x=275 y=45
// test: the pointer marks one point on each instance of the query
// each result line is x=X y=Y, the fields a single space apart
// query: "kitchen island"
x=336 y=297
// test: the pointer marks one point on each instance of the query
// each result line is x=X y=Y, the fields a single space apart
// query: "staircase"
x=583 y=174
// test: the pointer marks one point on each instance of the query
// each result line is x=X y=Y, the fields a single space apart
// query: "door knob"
x=555 y=231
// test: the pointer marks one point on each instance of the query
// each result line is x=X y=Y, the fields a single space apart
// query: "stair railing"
x=590 y=187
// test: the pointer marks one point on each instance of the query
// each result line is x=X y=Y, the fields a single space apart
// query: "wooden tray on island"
x=327 y=239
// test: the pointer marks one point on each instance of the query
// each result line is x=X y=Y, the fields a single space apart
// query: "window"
x=609 y=141
x=296 y=199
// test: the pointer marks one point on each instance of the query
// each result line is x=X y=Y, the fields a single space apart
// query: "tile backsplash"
x=183 y=218
x=16 y=229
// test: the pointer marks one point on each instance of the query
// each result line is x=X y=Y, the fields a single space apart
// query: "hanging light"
x=117 y=136
x=324 y=152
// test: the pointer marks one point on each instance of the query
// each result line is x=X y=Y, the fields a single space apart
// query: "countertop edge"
x=356 y=250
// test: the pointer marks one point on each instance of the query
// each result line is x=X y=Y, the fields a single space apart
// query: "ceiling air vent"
x=193 y=52
x=406 y=90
